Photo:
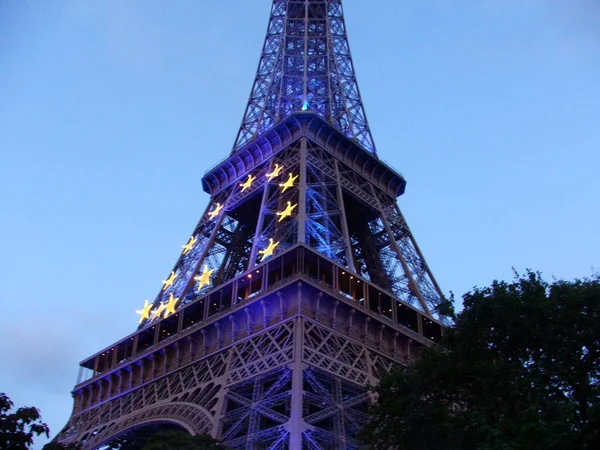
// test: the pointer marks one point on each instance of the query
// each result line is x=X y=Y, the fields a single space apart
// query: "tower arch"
x=189 y=417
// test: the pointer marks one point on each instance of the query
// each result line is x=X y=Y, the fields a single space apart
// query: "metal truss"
x=337 y=211
x=191 y=397
x=306 y=65
x=186 y=398
x=222 y=241
x=244 y=393
x=274 y=199
x=325 y=217
x=316 y=286
x=421 y=282
x=334 y=401
x=257 y=412
x=337 y=410
x=385 y=244
x=188 y=263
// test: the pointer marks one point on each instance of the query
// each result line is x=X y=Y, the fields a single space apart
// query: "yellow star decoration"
x=215 y=212
x=289 y=183
x=276 y=171
x=269 y=250
x=145 y=311
x=204 y=278
x=159 y=310
x=171 y=304
x=287 y=211
x=190 y=245
x=247 y=183
x=169 y=281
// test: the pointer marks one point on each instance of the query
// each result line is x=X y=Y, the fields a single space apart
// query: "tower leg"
x=297 y=424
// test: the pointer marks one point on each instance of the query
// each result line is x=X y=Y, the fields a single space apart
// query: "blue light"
x=304 y=106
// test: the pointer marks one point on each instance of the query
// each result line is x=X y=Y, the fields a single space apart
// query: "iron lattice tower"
x=300 y=284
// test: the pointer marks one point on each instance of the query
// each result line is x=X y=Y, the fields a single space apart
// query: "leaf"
x=519 y=369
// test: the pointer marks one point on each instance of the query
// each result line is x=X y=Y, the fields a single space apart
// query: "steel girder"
x=244 y=393
x=264 y=369
x=306 y=65
x=337 y=211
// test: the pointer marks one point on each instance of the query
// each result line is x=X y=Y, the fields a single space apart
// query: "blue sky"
x=110 y=113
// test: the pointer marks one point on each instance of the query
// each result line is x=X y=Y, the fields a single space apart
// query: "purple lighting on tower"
x=299 y=286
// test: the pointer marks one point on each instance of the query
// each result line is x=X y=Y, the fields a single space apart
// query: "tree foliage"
x=518 y=370
x=59 y=446
x=162 y=436
x=179 y=440
x=18 y=428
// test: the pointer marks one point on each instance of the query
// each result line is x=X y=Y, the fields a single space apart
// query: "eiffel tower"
x=300 y=285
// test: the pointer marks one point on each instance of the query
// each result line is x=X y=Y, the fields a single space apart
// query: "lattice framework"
x=306 y=65
x=245 y=390
x=247 y=359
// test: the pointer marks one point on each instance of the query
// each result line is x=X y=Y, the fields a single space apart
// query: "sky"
x=111 y=112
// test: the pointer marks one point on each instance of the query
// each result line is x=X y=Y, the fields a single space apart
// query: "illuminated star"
x=169 y=281
x=247 y=183
x=171 y=304
x=187 y=247
x=289 y=183
x=269 y=250
x=204 y=278
x=145 y=311
x=215 y=212
x=276 y=171
x=287 y=211
x=159 y=310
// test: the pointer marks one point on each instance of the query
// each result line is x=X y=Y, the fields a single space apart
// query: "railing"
x=262 y=280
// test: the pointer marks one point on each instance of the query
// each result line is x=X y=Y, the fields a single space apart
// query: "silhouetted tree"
x=180 y=440
x=163 y=437
x=18 y=428
x=518 y=370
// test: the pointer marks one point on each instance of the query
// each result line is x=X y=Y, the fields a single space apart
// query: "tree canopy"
x=179 y=440
x=18 y=428
x=163 y=437
x=519 y=369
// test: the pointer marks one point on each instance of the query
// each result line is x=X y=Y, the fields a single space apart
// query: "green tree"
x=17 y=428
x=518 y=370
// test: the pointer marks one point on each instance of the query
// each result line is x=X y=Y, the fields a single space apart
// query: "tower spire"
x=306 y=65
